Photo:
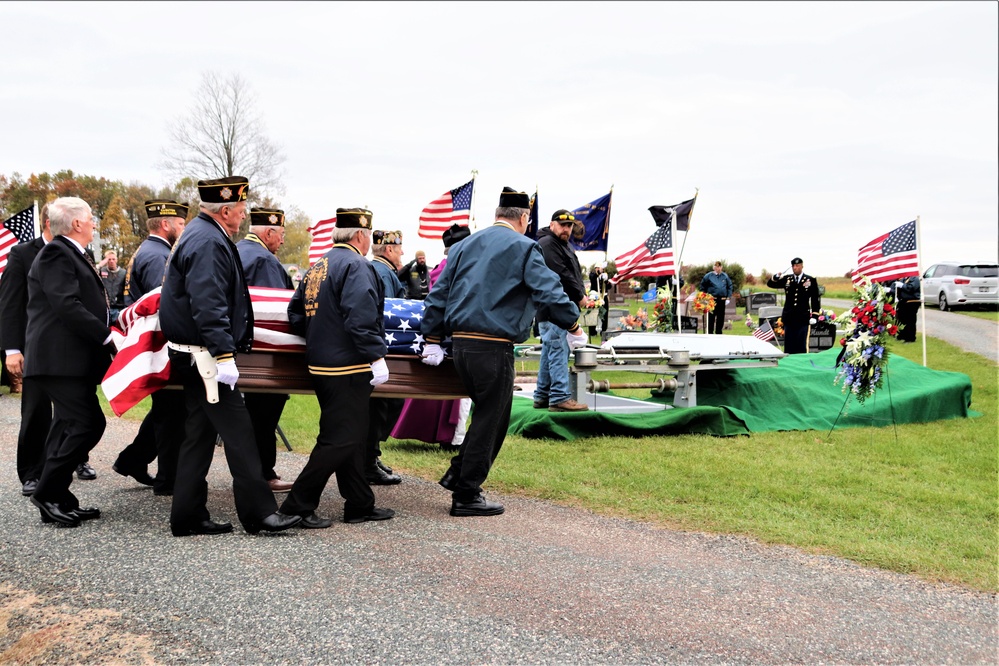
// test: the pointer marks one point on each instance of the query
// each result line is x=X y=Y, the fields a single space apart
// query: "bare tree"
x=223 y=136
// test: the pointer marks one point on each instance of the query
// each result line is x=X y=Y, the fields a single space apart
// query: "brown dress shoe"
x=279 y=486
x=569 y=405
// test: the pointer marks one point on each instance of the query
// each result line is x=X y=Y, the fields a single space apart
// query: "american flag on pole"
x=322 y=239
x=765 y=332
x=653 y=257
x=20 y=228
x=454 y=206
x=890 y=256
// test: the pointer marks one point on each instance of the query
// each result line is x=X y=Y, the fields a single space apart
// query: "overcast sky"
x=809 y=128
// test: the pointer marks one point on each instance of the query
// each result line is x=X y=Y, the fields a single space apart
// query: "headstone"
x=762 y=299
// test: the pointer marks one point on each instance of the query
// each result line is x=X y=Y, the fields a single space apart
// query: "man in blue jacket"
x=493 y=286
x=718 y=284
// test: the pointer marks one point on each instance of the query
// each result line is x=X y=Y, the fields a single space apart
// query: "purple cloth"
x=432 y=421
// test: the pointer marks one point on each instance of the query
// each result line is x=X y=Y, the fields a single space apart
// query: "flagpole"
x=471 y=203
x=38 y=222
x=679 y=259
x=676 y=272
x=922 y=303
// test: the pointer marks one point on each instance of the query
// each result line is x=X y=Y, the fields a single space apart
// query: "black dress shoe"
x=140 y=475
x=373 y=514
x=479 y=506
x=85 y=472
x=204 y=527
x=86 y=512
x=314 y=522
x=376 y=476
x=276 y=522
x=449 y=481
x=51 y=513
x=163 y=491
x=382 y=466
x=28 y=487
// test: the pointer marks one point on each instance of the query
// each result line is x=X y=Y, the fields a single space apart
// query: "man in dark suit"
x=162 y=429
x=67 y=352
x=206 y=317
x=262 y=268
x=36 y=405
x=801 y=300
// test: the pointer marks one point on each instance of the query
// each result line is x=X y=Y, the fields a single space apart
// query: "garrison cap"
x=353 y=218
x=266 y=217
x=166 y=208
x=380 y=237
x=455 y=233
x=511 y=198
x=231 y=189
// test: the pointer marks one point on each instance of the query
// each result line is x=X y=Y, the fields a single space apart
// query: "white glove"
x=433 y=354
x=813 y=321
x=898 y=285
x=228 y=373
x=577 y=339
x=380 y=371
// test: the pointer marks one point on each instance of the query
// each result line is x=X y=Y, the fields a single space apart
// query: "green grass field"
x=923 y=502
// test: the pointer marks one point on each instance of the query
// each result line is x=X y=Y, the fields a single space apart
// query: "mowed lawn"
x=919 y=499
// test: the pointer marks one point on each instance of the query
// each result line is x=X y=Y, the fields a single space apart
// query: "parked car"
x=951 y=283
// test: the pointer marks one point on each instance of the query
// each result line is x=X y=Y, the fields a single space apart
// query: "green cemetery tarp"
x=798 y=394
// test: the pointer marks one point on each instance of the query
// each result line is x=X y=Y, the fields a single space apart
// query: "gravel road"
x=542 y=584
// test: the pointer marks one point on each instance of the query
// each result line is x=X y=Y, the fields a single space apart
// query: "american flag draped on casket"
x=142 y=364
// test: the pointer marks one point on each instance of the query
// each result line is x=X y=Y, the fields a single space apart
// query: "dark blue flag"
x=595 y=218
x=532 y=226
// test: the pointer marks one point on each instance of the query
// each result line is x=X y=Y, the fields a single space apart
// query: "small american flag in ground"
x=20 y=228
x=889 y=257
x=451 y=207
x=765 y=332
x=322 y=239
x=653 y=257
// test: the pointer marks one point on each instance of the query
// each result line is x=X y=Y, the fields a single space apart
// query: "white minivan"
x=951 y=284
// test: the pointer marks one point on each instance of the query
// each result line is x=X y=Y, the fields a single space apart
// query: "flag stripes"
x=452 y=207
x=890 y=256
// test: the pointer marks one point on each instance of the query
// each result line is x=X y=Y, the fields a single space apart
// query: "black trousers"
x=907 y=317
x=265 y=413
x=36 y=419
x=339 y=449
x=795 y=334
x=227 y=418
x=487 y=370
x=77 y=426
x=716 y=319
x=159 y=437
x=382 y=416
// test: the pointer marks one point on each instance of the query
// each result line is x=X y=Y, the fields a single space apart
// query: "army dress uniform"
x=263 y=269
x=205 y=304
x=801 y=299
x=337 y=307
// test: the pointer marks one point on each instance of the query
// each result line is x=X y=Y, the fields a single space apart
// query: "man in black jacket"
x=553 y=391
x=67 y=350
x=416 y=276
x=206 y=317
x=801 y=300
x=36 y=405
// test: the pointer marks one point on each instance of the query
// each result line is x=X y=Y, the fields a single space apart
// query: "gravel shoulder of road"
x=541 y=584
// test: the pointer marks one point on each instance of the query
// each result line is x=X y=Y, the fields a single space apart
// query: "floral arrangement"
x=591 y=301
x=779 y=328
x=662 y=311
x=704 y=302
x=825 y=315
x=636 y=322
x=864 y=343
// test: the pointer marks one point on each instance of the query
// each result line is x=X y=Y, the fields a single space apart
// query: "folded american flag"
x=142 y=365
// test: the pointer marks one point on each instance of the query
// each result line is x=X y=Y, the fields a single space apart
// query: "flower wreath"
x=704 y=302
x=865 y=352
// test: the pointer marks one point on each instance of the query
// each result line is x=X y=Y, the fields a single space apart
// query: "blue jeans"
x=553 y=373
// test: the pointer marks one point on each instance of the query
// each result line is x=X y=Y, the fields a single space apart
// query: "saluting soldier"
x=338 y=309
x=801 y=300
x=257 y=252
x=206 y=317
x=162 y=429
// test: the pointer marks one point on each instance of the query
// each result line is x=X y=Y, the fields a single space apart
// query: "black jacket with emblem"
x=338 y=307
x=260 y=266
x=801 y=297
x=145 y=270
x=204 y=299
x=67 y=315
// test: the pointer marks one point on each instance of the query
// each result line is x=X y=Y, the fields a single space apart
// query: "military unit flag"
x=454 y=206
x=654 y=257
x=595 y=217
x=532 y=225
x=20 y=228
x=891 y=256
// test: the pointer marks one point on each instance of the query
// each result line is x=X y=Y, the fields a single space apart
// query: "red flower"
x=892 y=330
